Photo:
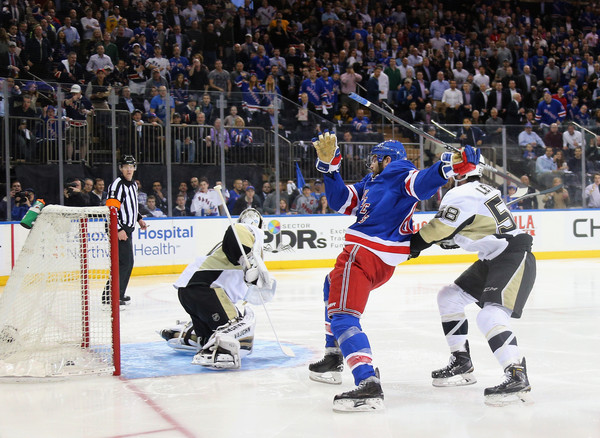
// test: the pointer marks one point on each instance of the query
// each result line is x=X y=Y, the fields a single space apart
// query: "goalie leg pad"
x=224 y=354
x=240 y=329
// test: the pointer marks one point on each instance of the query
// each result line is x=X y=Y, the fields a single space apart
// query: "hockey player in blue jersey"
x=383 y=203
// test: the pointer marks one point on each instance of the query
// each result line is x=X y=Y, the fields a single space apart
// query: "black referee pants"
x=125 y=263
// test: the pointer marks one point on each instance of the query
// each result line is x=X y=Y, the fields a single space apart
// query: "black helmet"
x=127 y=159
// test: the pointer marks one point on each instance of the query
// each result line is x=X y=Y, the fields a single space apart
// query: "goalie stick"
x=530 y=195
x=286 y=350
x=388 y=115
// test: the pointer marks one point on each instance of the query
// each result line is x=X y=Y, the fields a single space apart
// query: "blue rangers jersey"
x=383 y=206
x=314 y=90
x=548 y=113
x=327 y=94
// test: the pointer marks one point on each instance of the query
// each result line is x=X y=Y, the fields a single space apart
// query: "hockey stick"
x=530 y=195
x=450 y=133
x=286 y=350
x=388 y=115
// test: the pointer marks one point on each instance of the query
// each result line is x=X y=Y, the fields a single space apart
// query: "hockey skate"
x=368 y=396
x=459 y=371
x=229 y=343
x=329 y=369
x=181 y=337
x=223 y=354
x=514 y=389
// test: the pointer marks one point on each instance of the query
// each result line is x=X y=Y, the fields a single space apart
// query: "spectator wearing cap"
x=512 y=189
x=158 y=62
x=98 y=90
x=317 y=191
x=77 y=107
x=528 y=137
x=99 y=61
x=549 y=111
x=156 y=81
x=305 y=203
x=88 y=25
x=585 y=95
x=249 y=200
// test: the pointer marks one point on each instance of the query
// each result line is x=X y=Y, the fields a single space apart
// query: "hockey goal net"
x=58 y=312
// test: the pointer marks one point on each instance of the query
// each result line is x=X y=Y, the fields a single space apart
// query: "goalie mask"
x=391 y=148
x=251 y=216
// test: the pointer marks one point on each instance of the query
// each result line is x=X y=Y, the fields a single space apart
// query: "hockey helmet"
x=390 y=148
x=251 y=216
x=127 y=159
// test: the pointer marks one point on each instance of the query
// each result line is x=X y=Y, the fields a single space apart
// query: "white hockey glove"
x=259 y=295
x=251 y=275
x=328 y=152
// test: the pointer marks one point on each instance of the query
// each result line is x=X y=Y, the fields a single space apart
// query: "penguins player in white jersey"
x=208 y=290
x=474 y=217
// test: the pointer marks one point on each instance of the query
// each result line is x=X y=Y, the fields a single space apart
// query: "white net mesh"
x=55 y=319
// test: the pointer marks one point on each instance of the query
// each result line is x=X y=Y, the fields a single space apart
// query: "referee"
x=122 y=193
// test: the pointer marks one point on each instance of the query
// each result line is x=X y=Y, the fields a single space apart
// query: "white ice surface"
x=558 y=334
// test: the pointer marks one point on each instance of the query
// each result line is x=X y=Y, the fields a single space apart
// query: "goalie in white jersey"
x=474 y=217
x=208 y=290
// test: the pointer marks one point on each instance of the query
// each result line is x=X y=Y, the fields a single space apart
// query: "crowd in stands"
x=480 y=65
x=193 y=198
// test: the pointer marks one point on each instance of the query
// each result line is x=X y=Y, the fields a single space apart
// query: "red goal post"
x=59 y=312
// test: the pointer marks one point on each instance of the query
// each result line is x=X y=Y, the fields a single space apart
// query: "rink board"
x=314 y=241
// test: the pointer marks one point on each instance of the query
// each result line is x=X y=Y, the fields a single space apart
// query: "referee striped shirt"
x=126 y=193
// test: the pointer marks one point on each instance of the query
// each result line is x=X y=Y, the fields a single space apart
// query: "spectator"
x=451 y=103
x=248 y=200
x=512 y=189
x=206 y=201
x=284 y=207
x=558 y=199
x=266 y=189
x=549 y=111
x=592 y=193
x=470 y=135
x=235 y=193
x=159 y=197
x=87 y=190
x=74 y=196
x=437 y=89
x=142 y=196
x=99 y=61
x=349 y=80
x=157 y=62
x=305 y=203
x=241 y=140
x=528 y=137
x=317 y=191
x=545 y=168
x=219 y=79
x=323 y=206
x=571 y=140
x=99 y=192
x=181 y=208
x=153 y=210
x=184 y=145
x=158 y=104
x=23 y=202
x=218 y=138
x=530 y=203
x=554 y=137
x=361 y=122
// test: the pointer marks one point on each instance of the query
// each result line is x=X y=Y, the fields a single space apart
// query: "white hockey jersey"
x=475 y=217
x=232 y=276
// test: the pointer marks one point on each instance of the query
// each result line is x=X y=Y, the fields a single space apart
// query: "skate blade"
x=458 y=380
x=499 y=400
x=330 y=377
x=362 y=405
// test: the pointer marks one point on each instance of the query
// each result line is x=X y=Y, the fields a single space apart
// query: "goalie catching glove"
x=460 y=163
x=328 y=152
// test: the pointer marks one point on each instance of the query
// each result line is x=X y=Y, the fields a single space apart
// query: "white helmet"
x=251 y=216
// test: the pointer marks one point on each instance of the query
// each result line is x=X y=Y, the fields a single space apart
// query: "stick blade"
x=287 y=351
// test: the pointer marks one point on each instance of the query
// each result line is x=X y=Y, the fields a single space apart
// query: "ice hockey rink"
x=160 y=394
